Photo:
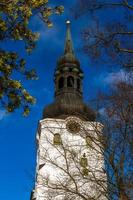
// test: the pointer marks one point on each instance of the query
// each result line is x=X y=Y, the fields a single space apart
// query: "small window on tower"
x=88 y=141
x=85 y=171
x=61 y=83
x=84 y=165
x=57 y=139
x=70 y=81
x=83 y=161
x=78 y=84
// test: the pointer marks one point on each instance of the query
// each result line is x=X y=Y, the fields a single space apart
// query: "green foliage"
x=14 y=21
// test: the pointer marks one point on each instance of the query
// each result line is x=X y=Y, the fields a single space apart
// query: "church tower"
x=70 y=164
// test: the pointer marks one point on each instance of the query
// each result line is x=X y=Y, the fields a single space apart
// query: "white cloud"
x=115 y=77
x=102 y=111
x=112 y=77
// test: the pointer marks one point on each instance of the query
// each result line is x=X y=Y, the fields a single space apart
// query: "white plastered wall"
x=54 y=171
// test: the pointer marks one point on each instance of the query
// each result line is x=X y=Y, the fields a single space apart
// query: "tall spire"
x=68 y=42
x=68 y=86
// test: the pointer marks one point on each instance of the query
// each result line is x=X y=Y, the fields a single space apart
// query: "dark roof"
x=67 y=105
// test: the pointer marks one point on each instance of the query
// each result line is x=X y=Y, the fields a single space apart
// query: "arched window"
x=61 y=83
x=57 y=139
x=78 y=84
x=70 y=81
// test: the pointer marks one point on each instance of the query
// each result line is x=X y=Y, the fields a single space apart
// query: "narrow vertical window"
x=57 y=139
x=61 y=83
x=78 y=84
x=70 y=81
x=83 y=161
x=84 y=165
x=88 y=141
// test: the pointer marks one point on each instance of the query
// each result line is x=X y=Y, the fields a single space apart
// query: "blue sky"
x=17 y=134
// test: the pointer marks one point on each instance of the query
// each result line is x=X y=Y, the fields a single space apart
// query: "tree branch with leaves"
x=15 y=16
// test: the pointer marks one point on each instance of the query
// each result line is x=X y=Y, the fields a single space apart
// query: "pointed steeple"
x=68 y=42
x=69 y=55
x=68 y=86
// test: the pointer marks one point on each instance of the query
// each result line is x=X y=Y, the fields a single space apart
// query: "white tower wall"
x=59 y=171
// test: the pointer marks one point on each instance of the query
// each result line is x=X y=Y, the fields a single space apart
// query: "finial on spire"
x=68 y=22
x=68 y=42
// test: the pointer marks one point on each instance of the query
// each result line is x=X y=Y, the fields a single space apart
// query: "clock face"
x=73 y=126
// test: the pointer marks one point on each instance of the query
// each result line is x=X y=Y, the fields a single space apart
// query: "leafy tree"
x=14 y=26
x=109 y=37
